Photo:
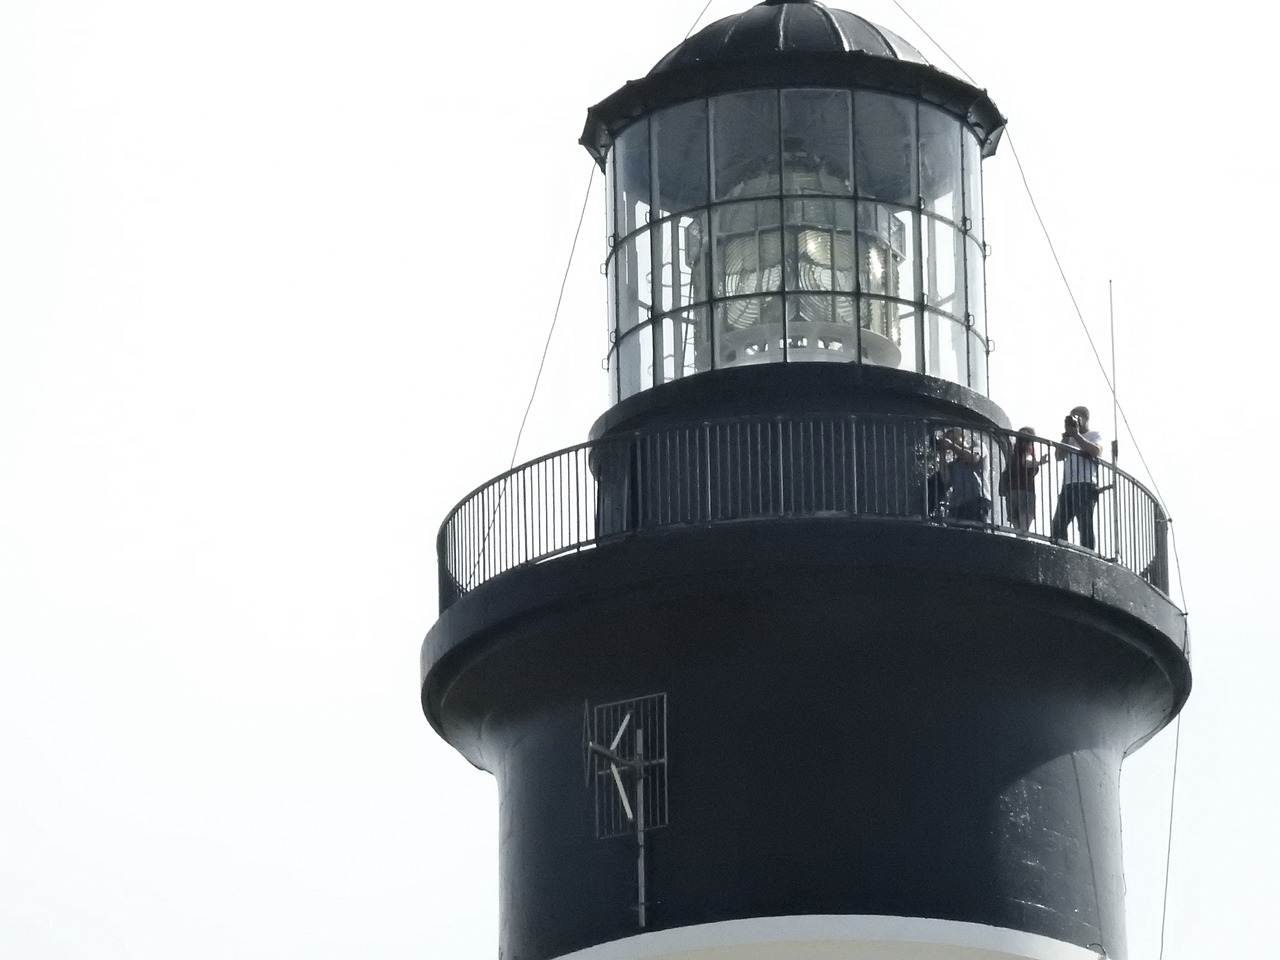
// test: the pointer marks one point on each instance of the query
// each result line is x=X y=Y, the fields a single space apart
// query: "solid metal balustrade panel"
x=790 y=467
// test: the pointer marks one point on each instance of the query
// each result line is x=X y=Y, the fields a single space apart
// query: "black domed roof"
x=786 y=27
x=790 y=43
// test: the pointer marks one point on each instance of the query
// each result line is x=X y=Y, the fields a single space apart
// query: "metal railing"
x=836 y=466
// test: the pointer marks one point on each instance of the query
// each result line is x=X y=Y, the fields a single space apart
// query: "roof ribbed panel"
x=786 y=27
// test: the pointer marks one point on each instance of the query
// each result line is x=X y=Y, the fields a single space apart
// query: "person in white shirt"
x=1080 y=478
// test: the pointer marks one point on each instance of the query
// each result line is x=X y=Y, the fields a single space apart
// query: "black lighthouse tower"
x=788 y=659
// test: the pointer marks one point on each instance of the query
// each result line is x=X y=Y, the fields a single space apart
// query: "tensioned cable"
x=1168 y=850
x=934 y=42
x=1052 y=250
x=565 y=279
x=697 y=19
x=1177 y=738
x=1061 y=270
x=555 y=315
x=1124 y=418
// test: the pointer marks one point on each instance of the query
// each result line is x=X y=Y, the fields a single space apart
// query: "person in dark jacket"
x=1018 y=479
x=967 y=493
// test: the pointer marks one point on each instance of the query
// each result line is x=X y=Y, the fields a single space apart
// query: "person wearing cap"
x=1080 y=477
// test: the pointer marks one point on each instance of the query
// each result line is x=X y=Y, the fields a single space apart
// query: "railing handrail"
x=462 y=580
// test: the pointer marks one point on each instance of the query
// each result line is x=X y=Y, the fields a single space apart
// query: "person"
x=1080 y=477
x=939 y=472
x=967 y=476
x=1018 y=479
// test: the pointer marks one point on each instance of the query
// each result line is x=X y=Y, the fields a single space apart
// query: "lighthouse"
x=788 y=658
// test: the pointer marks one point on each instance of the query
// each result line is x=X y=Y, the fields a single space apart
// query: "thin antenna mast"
x=1115 y=403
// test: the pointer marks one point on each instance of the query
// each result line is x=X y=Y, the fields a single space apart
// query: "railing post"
x=447 y=591
x=1160 y=562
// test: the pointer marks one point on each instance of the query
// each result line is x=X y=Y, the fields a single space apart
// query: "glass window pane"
x=696 y=255
x=614 y=392
x=631 y=153
x=886 y=270
x=884 y=332
x=906 y=325
x=973 y=184
x=749 y=330
x=940 y=184
x=629 y=365
x=946 y=352
x=819 y=241
x=884 y=145
x=747 y=254
x=821 y=327
x=630 y=268
x=884 y=251
x=685 y=347
x=681 y=271
x=612 y=188
x=680 y=157
x=978 y=363
x=647 y=366
x=745 y=144
x=975 y=289
x=943 y=267
x=816 y=139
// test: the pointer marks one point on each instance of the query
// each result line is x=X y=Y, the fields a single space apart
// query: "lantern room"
x=794 y=184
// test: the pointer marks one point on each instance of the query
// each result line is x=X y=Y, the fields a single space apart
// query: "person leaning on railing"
x=1018 y=479
x=1079 y=491
x=968 y=476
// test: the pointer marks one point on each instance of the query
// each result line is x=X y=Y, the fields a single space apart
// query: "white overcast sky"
x=274 y=280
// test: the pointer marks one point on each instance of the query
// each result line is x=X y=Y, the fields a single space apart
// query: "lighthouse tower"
x=788 y=658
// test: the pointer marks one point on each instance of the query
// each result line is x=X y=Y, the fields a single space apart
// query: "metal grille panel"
x=636 y=731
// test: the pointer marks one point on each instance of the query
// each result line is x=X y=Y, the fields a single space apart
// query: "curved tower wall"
x=750 y=682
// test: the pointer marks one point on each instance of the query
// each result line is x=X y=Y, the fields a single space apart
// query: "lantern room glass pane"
x=884 y=334
x=629 y=365
x=884 y=138
x=906 y=323
x=680 y=160
x=821 y=327
x=820 y=245
x=972 y=183
x=946 y=348
x=748 y=248
x=816 y=138
x=611 y=278
x=610 y=212
x=685 y=344
x=744 y=154
x=977 y=362
x=635 y=361
x=940 y=180
x=886 y=272
x=943 y=251
x=631 y=269
x=975 y=288
x=749 y=330
x=678 y=243
x=631 y=189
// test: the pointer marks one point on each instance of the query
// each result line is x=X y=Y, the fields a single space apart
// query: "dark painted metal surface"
x=792 y=44
x=862 y=719
x=781 y=388
x=837 y=467
x=863 y=715
x=787 y=26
